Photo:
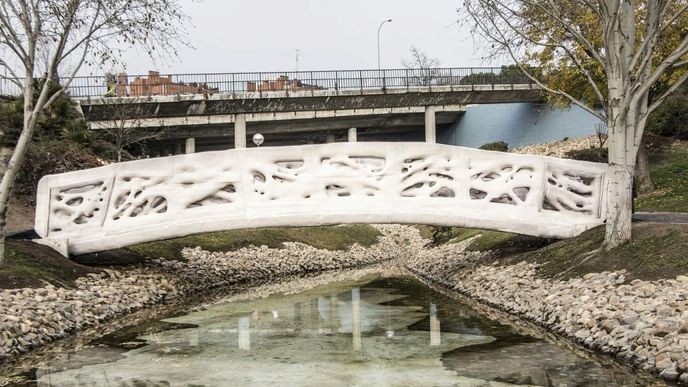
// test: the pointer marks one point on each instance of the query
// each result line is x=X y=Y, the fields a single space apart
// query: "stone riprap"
x=643 y=323
x=30 y=318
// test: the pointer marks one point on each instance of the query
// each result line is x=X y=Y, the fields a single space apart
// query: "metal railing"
x=212 y=83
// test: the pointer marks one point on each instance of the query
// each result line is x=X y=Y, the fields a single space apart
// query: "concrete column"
x=240 y=131
x=190 y=146
x=353 y=135
x=430 y=125
x=177 y=148
x=330 y=138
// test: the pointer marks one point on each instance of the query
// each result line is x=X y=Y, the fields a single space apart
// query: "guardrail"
x=123 y=85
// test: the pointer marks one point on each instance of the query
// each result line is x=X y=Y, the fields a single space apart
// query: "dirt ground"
x=21 y=214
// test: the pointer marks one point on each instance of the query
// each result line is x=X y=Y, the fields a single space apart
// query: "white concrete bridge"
x=413 y=183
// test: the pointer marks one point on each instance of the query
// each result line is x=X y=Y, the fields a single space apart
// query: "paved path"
x=662 y=217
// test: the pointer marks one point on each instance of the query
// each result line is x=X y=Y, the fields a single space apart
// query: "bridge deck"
x=145 y=200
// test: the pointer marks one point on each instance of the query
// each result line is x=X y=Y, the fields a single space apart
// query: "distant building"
x=280 y=84
x=154 y=84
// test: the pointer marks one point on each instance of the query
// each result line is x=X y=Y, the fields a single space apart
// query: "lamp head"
x=258 y=139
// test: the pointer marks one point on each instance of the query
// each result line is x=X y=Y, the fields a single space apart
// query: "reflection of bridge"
x=293 y=108
x=145 y=200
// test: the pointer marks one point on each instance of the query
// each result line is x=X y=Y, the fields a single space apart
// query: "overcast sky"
x=263 y=35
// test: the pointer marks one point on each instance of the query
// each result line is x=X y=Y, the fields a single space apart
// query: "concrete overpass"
x=307 y=107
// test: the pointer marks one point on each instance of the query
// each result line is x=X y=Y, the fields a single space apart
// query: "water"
x=375 y=331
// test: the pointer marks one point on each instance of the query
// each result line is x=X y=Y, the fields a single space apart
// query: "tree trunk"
x=619 y=207
x=2 y=248
x=620 y=186
x=642 y=171
x=3 y=226
x=12 y=166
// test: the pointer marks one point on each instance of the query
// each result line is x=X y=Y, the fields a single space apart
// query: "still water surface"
x=378 y=331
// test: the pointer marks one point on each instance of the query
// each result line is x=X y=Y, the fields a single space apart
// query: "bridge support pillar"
x=190 y=146
x=330 y=138
x=430 y=125
x=353 y=135
x=177 y=148
x=240 y=131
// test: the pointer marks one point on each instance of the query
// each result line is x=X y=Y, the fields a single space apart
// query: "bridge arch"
x=413 y=183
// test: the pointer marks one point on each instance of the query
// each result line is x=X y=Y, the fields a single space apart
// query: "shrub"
x=499 y=146
x=598 y=155
x=657 y=143
x=50 y=157
x=671 y=118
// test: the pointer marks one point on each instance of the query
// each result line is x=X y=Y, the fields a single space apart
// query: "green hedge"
x=499 y=146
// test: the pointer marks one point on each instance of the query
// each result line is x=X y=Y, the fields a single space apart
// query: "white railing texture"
x=412 y=183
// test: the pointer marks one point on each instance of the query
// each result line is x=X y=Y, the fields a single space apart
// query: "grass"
x=501 y=243
x=656 y=251
x=669 y=171
x=28 y=264
x=329 y=238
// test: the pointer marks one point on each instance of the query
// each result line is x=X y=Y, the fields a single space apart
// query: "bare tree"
x=627 y=49
x=423 y=68
x=71 y=33
x=123 y=128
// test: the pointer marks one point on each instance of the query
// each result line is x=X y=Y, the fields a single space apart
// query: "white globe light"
x=258 y=139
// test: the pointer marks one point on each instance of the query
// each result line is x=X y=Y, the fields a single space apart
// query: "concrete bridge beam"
x=430 y=124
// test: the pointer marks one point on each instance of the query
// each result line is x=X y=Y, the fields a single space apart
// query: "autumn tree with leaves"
x=617 y=59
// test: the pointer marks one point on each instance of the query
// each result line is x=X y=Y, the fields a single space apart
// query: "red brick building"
x=154 y=84
x=280 y=84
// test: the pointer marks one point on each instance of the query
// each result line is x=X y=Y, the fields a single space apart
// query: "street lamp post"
x=378 y=42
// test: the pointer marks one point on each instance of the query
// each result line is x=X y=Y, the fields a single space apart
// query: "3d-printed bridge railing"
x=145 y=200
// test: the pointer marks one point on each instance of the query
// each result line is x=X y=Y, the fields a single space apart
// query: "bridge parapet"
x=412 y=183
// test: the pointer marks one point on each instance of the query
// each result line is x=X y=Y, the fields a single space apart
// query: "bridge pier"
x=330 y=138
x=430 y=124
x=352 y=135
x=240 y=131
x=190 y=146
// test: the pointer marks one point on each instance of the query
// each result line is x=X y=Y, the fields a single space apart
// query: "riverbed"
x=380 y=328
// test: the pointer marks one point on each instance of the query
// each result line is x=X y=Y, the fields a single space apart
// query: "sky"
x=263 y=35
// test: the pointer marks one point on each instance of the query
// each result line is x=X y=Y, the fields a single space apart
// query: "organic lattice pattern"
x=318 y=184
x=573 y=192
x=505 y=183
x=77 y=206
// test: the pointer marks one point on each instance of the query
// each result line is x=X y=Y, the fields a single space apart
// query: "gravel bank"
x=558 y=148
x=30 y=318
x=642 y=323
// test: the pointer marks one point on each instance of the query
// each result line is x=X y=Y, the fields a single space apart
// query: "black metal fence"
x=176 y=84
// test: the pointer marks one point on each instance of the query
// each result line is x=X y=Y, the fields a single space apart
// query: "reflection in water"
x=435 y=338
x=368 y=333
x=356 y=318
x=245 y=333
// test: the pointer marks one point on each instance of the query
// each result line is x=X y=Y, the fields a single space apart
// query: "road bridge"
x=222 y=110
x=367 y=182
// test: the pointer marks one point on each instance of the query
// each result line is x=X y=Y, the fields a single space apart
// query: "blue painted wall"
x=517 y=124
